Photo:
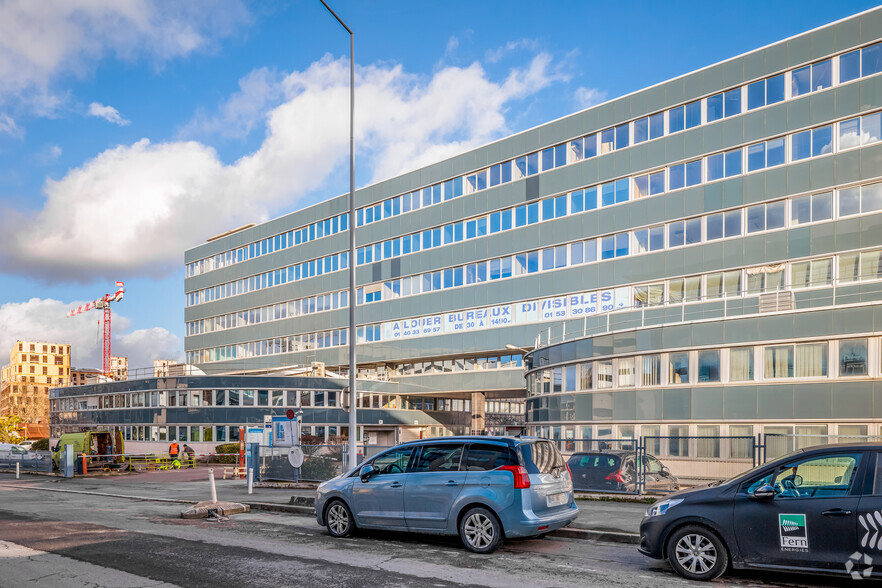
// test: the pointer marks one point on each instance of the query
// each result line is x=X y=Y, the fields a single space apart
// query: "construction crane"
x=103 y=303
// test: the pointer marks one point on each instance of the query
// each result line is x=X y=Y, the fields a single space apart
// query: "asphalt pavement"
x=126 y=531
x=607 y=519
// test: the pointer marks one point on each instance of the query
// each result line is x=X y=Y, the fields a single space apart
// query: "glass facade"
x=703 y=257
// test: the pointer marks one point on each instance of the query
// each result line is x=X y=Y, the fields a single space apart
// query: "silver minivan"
x=484 y=489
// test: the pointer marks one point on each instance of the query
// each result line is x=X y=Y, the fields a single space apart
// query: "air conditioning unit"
x=318 y=369
x=776 y=301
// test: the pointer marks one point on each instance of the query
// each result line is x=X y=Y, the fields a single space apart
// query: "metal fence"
x=320 y=462
x=649 y=464
x=659 y=464
x=30 y=461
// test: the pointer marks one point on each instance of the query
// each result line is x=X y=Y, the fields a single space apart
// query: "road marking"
x=8 y=550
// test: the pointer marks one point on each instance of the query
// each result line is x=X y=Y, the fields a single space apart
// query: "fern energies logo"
x=793 y=532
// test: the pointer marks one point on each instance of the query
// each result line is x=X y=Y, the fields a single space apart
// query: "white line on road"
x=23 y=566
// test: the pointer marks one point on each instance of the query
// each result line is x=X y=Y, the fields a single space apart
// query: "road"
x=53 y=539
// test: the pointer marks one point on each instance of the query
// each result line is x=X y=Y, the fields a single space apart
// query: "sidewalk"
x=598 y=519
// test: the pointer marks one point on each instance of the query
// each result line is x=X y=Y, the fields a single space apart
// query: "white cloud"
x=108 y=113
x=145 y=345
x=135 y=208
x=452 y=46
x=8 y=126
x=46 y=320
x=496 y=55
x=259 y=91
x=587 y=97
x=41 y=40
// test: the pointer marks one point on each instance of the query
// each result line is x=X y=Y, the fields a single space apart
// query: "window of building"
x=684 y=290
x=604 y=374
x=678 y=440
x=811 y=360
x=651 y=370
x=709 y=365
x=853 y=358
x=741 y=364
x=866 y=265
x=708 y=442
x=806 y=274
x=779 y=362
x=678 y=364
x=626 y=371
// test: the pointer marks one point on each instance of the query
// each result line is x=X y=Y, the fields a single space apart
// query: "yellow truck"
x=103 y=448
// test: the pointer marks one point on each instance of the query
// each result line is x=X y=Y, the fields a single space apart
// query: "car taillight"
x=569 y=471
x=616 y=476
x=521 y=477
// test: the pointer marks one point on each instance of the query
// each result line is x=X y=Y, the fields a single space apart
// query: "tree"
x=9 y=426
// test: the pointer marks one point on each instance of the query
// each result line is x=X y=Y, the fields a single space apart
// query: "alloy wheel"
x=338 y=518
x=696 y=553
x=479 y=530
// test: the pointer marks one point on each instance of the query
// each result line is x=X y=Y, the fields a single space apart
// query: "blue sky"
x=132 y=131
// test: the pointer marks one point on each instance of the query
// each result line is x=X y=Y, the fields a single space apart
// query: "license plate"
x=556 y=499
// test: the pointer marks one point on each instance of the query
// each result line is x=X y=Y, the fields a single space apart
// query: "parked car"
x=11 y=453
x=485 y=489
x=615 y=471
x=26 y=444
x=814 y=510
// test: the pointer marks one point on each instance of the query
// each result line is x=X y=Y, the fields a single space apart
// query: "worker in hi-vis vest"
x=174 y=450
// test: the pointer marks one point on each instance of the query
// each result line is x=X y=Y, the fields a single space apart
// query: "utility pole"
x=353 y=420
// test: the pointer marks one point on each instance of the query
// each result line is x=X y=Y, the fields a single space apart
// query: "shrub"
x=40 y=445
x=318 y=468
x=226 y=448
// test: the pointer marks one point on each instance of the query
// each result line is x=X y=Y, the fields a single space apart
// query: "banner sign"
x=519 y=313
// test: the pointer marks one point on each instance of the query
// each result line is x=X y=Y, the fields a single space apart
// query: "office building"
x=700 y=257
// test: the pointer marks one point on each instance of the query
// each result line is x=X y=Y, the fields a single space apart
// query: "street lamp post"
x=353 y=421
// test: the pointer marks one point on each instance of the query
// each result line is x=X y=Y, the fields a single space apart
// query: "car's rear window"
x=485 y=457
x=599 y=461
x=541 y=457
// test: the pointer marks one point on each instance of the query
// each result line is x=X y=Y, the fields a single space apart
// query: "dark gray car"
x=815 y=510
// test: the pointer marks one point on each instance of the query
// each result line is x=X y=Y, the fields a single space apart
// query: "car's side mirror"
x=764 y=492
x=665 y=471
x=367 y=472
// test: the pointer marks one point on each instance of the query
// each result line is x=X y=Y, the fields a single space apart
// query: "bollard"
x=84 y=464
x=213 y=489
x=17 y=470
x=250 y=480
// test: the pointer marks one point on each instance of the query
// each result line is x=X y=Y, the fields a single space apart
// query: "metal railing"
x=823 y=296
x=320 y=462
x=30 y=461
x=654 y=464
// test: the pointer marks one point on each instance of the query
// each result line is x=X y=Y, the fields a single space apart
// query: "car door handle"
x=452 y=483
x=395 y=485
x=836 y=512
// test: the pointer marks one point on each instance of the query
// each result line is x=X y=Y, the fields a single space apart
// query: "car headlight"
x=660 y=508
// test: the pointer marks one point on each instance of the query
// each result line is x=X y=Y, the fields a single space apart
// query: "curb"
x=594 y=535
x=306 y=511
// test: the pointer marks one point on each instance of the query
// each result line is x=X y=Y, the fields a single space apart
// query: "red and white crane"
x=103 y=303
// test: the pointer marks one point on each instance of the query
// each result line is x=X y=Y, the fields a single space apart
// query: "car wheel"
x=339 y=520
x=696 y=553
x=480 y=530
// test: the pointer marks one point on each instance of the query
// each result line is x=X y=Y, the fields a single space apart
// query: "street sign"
x=295 y=457
x=290 y=414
